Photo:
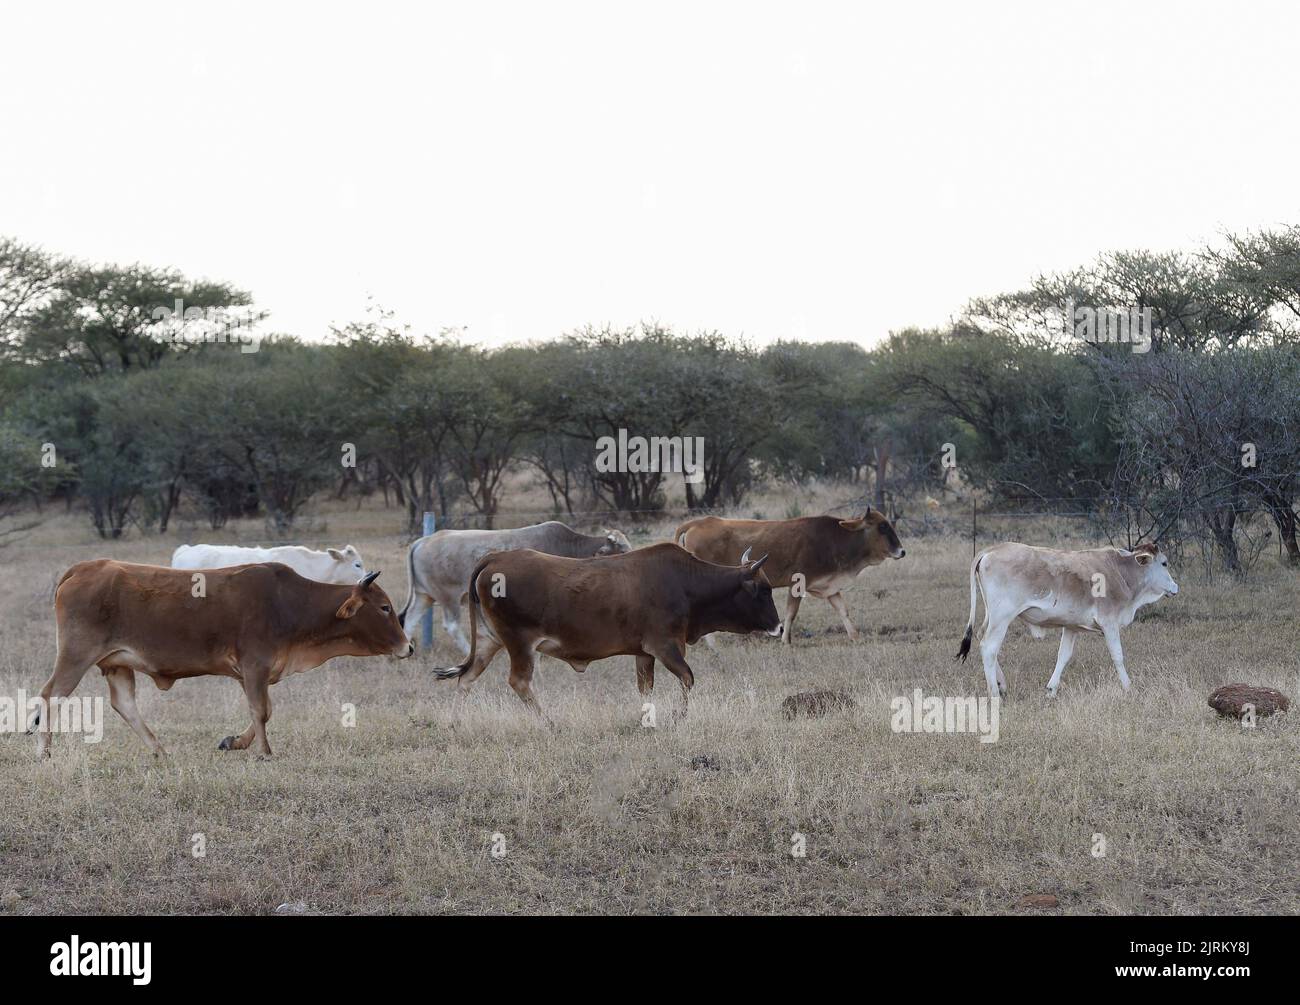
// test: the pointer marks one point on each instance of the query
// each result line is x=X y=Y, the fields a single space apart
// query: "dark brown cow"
x=649 y=603
x=256 y=623
x=828 y=552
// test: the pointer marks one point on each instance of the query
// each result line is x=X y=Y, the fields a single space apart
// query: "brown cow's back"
x=602 y=606
x=649 y=603
x=153 y=613
x=810 y=544
x=254 y=622
x=817 y=555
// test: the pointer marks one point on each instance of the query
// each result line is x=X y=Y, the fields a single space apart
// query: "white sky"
x=826 y=171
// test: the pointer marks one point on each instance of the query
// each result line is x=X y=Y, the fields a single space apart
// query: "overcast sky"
x=822 y=171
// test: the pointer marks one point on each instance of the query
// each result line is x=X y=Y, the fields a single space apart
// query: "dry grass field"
x=600 y=815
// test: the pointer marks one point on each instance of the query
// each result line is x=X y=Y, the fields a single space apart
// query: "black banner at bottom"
x=343 y=953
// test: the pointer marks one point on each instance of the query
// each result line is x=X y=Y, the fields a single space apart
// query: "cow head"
x=1154 y=565
x=349 y=567
x=373 y=623
x=750 y=607
x=877 y=535
x=616 y=543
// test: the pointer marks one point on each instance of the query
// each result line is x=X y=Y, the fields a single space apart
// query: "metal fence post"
x=430 y=525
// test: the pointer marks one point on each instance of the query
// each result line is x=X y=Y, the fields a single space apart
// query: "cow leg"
x=239 y=742
x=523 y=661
x=1063 y=657
x=1116 y=654
x=487 y=650
x=258 y=693
x=451 y=624
x=121 y=695
x=412 y=621
x=990 y=645
x=645 y=674
x=791 y=609
x=69 y=668
x=670 y=655
x=836 y=600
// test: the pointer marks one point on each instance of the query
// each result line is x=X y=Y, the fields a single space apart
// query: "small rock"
x=1232 y=699
x=1039 y=900
x=816 y=703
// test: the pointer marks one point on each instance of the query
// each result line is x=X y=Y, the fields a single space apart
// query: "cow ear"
x=335 y=554
x=853 y=525
x=1143 y=557
x=350 y=606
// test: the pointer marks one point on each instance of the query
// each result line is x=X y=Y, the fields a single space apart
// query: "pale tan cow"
x=1098 y=590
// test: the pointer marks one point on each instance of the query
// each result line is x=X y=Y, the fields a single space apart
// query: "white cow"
x=330 y=566
x=1099 y=590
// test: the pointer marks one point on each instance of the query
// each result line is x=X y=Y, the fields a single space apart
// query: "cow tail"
x=451 y=673
x=964 y=651
x=410 y=583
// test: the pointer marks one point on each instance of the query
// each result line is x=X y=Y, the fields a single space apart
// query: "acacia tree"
x=281 y=419
x=29 y=277
x=100 y=320
x=1196 y=303
x=629 y=380
x=1209 y=440
x=487 y=392
x=404 y=404
x=1041 y=424
x=1266 y=267
x=733 y=403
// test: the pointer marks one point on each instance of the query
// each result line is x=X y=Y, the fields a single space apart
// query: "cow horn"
x=757 y=565
x=370 y=577
x=744 y=559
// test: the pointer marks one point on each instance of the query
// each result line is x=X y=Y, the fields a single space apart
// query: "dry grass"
x=603 y=815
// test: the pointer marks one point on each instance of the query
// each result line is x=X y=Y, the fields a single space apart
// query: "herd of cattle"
x=260 y=614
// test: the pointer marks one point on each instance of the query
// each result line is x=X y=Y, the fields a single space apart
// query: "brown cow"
x=828 y=552
x=256 y=623
x=649 y=603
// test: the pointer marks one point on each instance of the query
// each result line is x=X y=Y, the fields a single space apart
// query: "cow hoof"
x=227 y=744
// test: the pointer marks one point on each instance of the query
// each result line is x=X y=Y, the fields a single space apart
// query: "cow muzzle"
x=900 y=553
x=776 y=632
x=406 y=651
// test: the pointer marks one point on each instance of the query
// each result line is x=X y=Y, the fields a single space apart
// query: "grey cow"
x=439 y=566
